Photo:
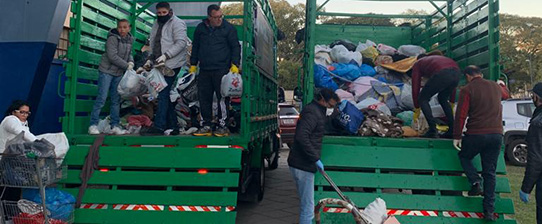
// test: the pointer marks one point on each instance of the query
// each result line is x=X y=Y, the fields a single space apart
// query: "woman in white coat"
x=15 y=122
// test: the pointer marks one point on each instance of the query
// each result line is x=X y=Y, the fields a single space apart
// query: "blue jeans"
x=489 y=148
x=166 y=118
x=304 y=182
x=107 y=83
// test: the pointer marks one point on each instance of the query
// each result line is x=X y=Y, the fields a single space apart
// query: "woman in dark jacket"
x=115 y=61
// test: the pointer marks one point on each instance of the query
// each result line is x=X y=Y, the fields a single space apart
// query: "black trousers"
x=539 y=201
x=209 y=82
x=443 y=83
x=489 y=148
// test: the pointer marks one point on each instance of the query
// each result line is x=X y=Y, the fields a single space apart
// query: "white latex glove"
x=130 y=66
x=161 y=59
x=457 y=144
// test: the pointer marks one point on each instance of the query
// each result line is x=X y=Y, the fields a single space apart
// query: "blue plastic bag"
x=322 y=79
x=367 y=70
x=346 y=71
x=59 y=203
x=351 y=118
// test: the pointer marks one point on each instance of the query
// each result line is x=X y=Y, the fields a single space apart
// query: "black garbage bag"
x=346 y=43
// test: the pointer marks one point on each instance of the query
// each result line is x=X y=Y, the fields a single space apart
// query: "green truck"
x=170 y=179
x=367 y=168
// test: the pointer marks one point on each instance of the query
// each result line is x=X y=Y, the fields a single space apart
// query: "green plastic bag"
x=406 y=117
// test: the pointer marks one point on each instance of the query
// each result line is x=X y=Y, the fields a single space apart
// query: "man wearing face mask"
x=168 y=42
x=533 y=171
x=304 y=158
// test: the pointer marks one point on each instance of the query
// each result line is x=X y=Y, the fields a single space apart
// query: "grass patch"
x=525 y=213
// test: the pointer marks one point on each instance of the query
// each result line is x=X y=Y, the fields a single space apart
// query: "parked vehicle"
x=288 y=117
x=516 y=114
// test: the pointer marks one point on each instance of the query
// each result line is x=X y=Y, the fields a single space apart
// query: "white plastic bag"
x=376 y=212
x=175 y=91
x=406 y=97
x=385 y=49
x=340 y=54
x=231 y=85
x=60 y=141
x=323 y=59
x=131 y=84
x=155 y=82
x=411 y=50
x=104 y=125
x=375 y=105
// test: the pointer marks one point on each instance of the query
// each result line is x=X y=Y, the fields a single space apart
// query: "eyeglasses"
x=27 y=113
x=218 y=17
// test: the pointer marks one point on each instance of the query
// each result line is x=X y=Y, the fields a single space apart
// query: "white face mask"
x=329 y=111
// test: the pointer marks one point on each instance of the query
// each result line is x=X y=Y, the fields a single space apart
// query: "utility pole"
x=530 y=69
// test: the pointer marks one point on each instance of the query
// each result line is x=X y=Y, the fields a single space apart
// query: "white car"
x=516 y=114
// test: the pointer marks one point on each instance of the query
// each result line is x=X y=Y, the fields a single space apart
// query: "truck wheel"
x=261 y=182
x=274 y=158
x=516 y=152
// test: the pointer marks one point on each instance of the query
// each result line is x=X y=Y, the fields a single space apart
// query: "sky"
x=530 y=8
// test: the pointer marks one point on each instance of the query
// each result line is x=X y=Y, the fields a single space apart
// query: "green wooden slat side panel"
x=160 y=157
x=394 y=36
x=184 y=141
x=342 y=156
x=404 y=181
x=423 y=202
x=153 y=197
x=88 y=216
x=150 y=178
x=336 y=218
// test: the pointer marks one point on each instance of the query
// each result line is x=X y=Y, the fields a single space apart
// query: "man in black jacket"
x=304 y=158
x=216 y=48
x=533 y=171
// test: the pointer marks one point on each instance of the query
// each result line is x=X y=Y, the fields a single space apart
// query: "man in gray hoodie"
x=115 y=61
x=168 y=42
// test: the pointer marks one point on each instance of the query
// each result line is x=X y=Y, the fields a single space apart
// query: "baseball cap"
x=537 y=89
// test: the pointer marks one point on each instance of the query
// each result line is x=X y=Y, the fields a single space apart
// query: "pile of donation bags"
x=140 y=93
x=374 y=84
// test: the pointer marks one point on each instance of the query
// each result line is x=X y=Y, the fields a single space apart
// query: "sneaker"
x=222 y=132
x=152 y=131
x=430 y=134
x=205 y=131
x=191 y=130
x=93 y=130
x=447 y=135
x=475 y=190
x=118 y=131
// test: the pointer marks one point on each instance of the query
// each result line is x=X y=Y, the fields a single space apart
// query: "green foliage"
x=358 y=21
x=521 y=40
x=288 y=71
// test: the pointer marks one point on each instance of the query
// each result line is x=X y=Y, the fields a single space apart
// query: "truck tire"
x=261 y=182
x=257 y=185
x=516 y=152
x=274 y=158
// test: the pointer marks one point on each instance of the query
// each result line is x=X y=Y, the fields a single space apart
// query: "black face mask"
x=163 y=19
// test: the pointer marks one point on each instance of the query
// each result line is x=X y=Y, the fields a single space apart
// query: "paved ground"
x=280 y=204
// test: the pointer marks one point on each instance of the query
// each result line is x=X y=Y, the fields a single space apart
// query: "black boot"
x=431 y=133
x=475 y=190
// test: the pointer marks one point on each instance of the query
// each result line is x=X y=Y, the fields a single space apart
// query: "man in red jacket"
x=480 y=100
x=443 y=74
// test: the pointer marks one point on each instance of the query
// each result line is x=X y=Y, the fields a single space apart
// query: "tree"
x=289 y=19
x=410 y=12
x=520 y=40
x=358 y=21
